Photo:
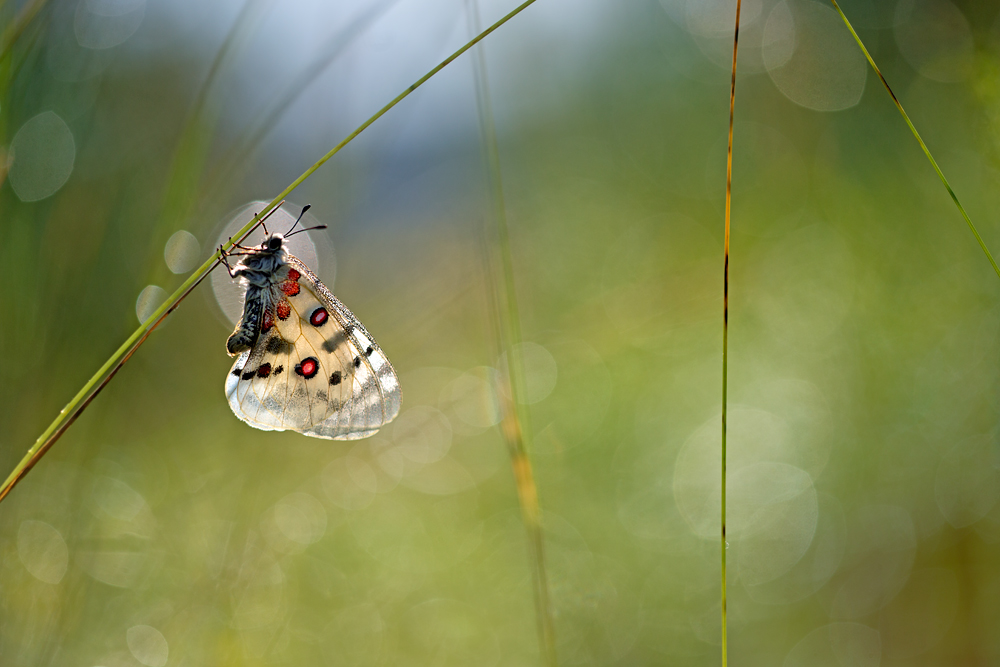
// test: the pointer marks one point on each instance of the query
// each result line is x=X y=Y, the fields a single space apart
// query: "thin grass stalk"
x=251 y=10
x=8 y=486
x=239 y=154
x=514 y=425
x=187 y=165
x=725 y=335
x=17 y=26
x=923 y=146
x=67 y=412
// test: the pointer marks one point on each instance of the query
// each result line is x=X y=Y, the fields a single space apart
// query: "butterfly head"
x=273 y=243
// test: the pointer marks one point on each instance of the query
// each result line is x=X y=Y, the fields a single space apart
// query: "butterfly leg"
x=224 y=257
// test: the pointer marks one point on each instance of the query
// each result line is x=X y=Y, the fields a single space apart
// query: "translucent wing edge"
x=385 y=375
x=232 y=385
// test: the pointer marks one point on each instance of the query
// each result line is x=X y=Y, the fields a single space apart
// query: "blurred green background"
x=864 y=466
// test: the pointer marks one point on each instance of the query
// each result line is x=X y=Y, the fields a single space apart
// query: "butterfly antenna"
x=297 y=220
x=269 y=214
x=307 y=229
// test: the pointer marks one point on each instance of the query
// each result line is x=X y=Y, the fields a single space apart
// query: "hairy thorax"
x=261 y=271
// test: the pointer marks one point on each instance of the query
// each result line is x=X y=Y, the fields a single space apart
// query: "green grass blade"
x=193 y=146
x=238 y=156
x=923 y=146
x=81 y=395
x=18 y=24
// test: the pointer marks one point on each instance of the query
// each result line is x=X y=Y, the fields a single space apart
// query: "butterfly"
x=303 y=360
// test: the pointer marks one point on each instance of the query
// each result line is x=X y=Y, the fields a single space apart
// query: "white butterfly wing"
x=314 y=368
x=246 y=398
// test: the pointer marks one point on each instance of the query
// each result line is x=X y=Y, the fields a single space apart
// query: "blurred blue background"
x=864 y=470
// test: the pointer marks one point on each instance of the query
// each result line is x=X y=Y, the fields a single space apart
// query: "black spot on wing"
x=237 y=371
x=335 y=378
x=331 y=344
x=278 y=345
x=248 y=375
x=278 y=370
x=357 y=361
x=369 y=351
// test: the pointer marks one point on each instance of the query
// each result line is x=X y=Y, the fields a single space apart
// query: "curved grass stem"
x=37 y=454
x=69 y=413
x=923 y=146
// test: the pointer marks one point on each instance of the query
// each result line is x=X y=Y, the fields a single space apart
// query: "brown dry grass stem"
x=725 y=334
x=502 y=294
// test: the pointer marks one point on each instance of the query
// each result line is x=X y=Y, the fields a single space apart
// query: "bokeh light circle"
x=43 y=152
x=148 y=645
x=811 y=58
x=150 y=298
x=181 y=252
x=43 y=551
x=313 y=248
x=935 y=38
x=103 y=24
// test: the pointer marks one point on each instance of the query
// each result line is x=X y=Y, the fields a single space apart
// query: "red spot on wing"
x=318 y=317
x=293 y=275
x=264 y=370
x=283 y=309
x=268 y=320
x=290 y=288
x=307 y=368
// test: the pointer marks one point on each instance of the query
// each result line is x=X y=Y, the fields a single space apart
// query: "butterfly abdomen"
x=245 y=335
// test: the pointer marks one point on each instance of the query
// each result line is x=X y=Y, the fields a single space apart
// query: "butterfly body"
x=304 y=361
